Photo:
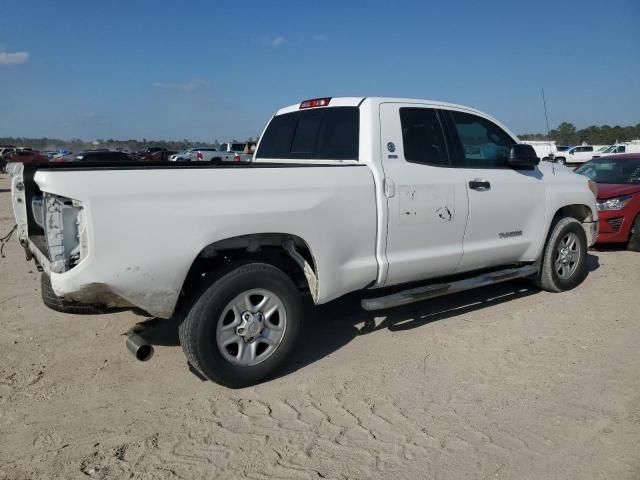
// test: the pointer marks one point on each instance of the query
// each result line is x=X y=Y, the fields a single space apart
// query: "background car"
x=26 y=156
x=161 y=155
x=94 y=156
x=618 y=179
x=184 y=156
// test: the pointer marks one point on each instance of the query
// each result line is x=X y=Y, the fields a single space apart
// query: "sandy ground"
x=504 y=382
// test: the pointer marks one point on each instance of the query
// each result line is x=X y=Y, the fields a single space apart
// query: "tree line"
x=567 y=134
x=77 y=145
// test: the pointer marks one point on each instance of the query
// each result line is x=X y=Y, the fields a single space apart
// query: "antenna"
x=546 y=118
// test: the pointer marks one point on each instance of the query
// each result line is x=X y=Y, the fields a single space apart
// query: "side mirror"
x=522 y=155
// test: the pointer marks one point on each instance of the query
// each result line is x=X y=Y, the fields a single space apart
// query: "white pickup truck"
x=226 y=152
x=578 y=155
x=345 y=194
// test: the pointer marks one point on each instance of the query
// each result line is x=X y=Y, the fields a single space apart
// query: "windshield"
x=620 y=171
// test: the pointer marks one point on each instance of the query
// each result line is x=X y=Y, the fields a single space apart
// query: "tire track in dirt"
x=313 y=436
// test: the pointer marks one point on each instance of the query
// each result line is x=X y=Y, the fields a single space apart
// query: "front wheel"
x=243 y=326
x=563 y=265
x=561 y=161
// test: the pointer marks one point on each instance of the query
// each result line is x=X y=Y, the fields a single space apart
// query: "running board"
x=439 y=289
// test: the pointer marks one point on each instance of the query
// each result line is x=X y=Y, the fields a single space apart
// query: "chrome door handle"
x=479 y=184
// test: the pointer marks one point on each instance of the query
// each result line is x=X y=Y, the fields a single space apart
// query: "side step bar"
x=439 y=289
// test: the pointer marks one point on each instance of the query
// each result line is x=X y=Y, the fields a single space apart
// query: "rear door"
x=426 y=197
x=506 y=205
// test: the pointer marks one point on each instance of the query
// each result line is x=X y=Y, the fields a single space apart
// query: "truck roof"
x=356 y=101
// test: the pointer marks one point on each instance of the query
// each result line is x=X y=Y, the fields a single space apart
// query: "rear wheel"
x=634 y=238
x=243 y=326
x=563 y=265
x=58 y=304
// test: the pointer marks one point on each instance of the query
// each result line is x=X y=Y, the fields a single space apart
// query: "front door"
x=426 y=197
x=506 y=205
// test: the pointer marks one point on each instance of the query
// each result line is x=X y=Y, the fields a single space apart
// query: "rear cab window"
x=330 y=133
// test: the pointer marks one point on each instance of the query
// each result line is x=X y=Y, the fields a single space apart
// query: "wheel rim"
x=251 y=327
x=567 y=256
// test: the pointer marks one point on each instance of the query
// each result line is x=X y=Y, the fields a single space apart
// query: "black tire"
x=634 y=238
x=56 y=303
x=198 y=330
x=561 y=161
x=548 y=277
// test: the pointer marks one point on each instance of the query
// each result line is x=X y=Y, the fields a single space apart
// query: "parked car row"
x=579 y=154
x=226 y=152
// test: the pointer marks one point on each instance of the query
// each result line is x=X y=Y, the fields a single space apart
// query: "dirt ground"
x=504 y=382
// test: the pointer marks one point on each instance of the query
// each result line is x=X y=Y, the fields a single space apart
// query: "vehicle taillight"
x=236 y=157
x=315 y=102
x=199 y=156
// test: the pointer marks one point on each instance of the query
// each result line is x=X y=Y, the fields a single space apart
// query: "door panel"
x=427 y=204
x=506 y=220
x=506 y=206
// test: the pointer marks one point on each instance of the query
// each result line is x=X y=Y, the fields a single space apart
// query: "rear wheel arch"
x=274 y=249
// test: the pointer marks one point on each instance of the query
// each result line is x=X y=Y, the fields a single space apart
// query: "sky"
x=217 y=70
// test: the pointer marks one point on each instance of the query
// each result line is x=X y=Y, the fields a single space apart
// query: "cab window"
x=422 y=137
x=484 y=144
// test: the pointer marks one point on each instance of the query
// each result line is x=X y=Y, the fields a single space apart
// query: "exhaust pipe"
x=140 y=348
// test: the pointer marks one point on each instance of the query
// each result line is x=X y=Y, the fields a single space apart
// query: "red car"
x=27 y=156
x=618 y=179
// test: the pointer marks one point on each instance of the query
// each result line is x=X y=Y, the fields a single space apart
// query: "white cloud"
x=319 y=37
x=186 y=86
x=277 y=41
x=15 y=58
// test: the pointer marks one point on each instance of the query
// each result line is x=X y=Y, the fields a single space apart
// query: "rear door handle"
x=479 y=184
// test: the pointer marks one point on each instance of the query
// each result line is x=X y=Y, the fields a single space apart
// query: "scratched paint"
x=426 y=204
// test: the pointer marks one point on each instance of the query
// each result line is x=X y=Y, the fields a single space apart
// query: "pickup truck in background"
x=619 y=149
x=345 y=194
x=226 y=152
x=578 y=155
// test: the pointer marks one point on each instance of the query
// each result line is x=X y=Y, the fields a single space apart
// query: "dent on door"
x=426 y=204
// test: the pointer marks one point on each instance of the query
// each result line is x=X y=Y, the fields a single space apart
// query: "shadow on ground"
x=331 y=326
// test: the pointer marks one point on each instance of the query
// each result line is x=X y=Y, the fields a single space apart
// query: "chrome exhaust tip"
x=139 y=347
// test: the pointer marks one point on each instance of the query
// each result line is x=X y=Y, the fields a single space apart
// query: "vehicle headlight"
x=616 y=203
x=65 y=231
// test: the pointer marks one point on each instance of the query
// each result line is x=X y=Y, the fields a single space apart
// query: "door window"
x=484 y=144
x=422 y=137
